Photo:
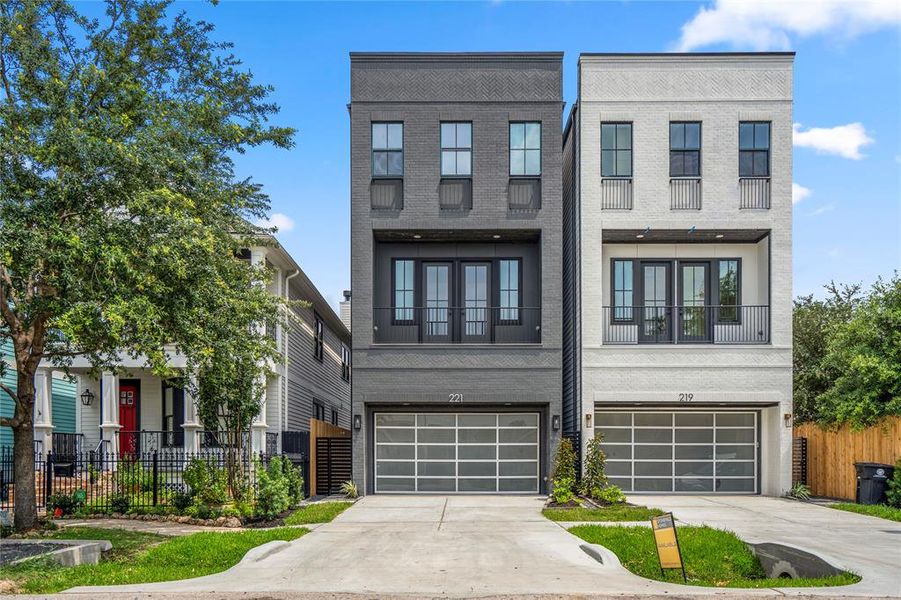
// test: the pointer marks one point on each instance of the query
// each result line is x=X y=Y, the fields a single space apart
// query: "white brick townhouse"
x=678 y=269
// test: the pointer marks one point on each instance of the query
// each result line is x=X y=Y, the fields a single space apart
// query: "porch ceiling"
x=683 y=236
x=457 y=235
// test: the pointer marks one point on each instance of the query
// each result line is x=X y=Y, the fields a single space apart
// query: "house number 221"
x=455 y=398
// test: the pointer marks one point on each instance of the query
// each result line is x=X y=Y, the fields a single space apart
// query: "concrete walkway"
x=458 y=546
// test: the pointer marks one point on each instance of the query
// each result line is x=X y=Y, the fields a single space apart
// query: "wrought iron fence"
x=111 y=482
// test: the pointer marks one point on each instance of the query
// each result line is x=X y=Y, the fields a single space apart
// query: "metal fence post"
x=156 y=477
x=48 y=477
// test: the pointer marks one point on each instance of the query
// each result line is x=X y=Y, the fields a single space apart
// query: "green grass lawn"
x=874 y=510
x=712 y=557
x=619 y=512
x=321 y=512
x=141 y=558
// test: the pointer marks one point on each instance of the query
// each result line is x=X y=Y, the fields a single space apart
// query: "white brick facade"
x=650 y=91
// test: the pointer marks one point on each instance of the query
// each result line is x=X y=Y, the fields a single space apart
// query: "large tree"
x=121 y=218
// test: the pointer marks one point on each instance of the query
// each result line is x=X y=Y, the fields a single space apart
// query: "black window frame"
x=455 y=149
x=318 y=337
x=318 y=410
x=716 y=284
x=616 y=149
x=500 y=293
x=412 y=290
x=334 y=416
x=753 y=151
x=388 y=150
x=525 y=148
x=685 y=150
x=345 y=362
x=628 y=310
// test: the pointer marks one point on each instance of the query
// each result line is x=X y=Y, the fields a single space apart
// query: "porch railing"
x=457 y=325
x=148 y=440
x=686 y=324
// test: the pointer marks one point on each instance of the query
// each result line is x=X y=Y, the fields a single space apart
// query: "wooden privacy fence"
x=831 y=454
x=321 y=429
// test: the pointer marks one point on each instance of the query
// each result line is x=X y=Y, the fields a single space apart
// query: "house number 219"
x=455 y=398
x=686 y=397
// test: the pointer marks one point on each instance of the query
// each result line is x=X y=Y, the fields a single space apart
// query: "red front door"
x=128 y=418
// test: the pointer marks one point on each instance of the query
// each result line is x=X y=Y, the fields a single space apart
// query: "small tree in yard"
x=594 y=479
x=120 y=216
x=563 y=476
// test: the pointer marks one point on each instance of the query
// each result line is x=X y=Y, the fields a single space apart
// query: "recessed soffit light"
x=719 y=236
x=496 y=236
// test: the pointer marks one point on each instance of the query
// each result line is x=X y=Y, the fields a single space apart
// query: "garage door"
x=680 y=451
x=456 y=452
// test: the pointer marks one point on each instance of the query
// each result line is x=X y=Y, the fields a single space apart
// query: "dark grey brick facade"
x=489 y=90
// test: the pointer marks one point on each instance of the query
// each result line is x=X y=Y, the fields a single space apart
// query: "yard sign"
x=667 y=543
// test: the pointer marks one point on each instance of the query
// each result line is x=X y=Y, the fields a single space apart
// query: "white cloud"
x=821 y=210
x=280 y=221
x=770 y=25
x=841 y=140
x=799 y=192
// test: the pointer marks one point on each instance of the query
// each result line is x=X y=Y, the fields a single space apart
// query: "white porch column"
x=109 y=424
x=192 y=425
x=43 y=410
x=259 y=426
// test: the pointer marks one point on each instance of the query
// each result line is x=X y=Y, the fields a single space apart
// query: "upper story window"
x=508 y=288
x=623 y=288
x=345 y=363
x=456 y=149
x=685 y=149
x=334 y=416
x=387 y=149
x=727 y=289
x=525 y=149
x=754 y=149
x=318 y=339
x=403 y=290
x=616 y=149
x=318 y=410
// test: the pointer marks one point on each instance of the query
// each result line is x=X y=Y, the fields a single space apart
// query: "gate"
x=333 y=464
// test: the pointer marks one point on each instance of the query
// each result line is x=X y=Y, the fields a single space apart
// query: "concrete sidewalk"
x=465 y=546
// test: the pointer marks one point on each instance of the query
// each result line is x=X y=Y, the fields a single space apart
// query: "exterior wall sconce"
x=588 y=420
x=87 y=397
x=555 y=422
x=358 y=422
x=787 y=418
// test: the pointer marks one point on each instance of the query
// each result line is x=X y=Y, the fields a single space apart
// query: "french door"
x=476 y=322
x=437 y=325
x=694 y=294
x=655 y=313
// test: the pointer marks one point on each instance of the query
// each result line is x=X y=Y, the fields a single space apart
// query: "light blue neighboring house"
x=64 y=393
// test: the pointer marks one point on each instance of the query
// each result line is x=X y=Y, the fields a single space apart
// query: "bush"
x=132 y=477
x=563 y=477
x=594 y=479
x=181 y=501
x=349 y=489
x=893 y=493
x=280 y=487
x=799 y=491
x=208 y=483
x=67 y=504
x=563 y=490
x=119 y=503
x=610 y=495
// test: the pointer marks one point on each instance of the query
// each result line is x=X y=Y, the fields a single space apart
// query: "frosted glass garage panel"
x=457 y=453
x=690 y=451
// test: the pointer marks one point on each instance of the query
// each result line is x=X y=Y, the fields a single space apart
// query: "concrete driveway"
x=457 y=546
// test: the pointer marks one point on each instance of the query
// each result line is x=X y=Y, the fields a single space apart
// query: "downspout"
x=283 y=413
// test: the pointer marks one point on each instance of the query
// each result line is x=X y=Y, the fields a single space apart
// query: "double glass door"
x=456 y=315
x=659 y=319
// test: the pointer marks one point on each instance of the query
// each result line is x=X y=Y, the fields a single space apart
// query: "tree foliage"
x=848 y=355
x=120 y=214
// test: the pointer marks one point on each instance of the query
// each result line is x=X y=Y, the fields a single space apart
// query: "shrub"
x=799 y=491
x=181 y=501
x=132 y=477
x=66 y=503
x=594 y=479
x=119 y=503
x=893 y=493
x=610 y=495
x=207 y=482
x=280 y=486
x=563 y=476
x=563 y=490
x=349 y=489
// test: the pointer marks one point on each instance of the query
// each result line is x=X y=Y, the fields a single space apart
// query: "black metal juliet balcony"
x=686 y=324
x=456 y=325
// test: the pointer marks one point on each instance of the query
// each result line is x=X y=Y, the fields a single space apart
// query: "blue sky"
x=847 y=90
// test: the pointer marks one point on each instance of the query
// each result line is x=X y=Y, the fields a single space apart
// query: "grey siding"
x=571 y=397
x=490 y=91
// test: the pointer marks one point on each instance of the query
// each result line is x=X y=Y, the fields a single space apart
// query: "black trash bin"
x=872 y=481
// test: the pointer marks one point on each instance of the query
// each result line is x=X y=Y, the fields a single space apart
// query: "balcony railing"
x=754 y=192
x=686 y=324
x=131 y=442
x=456 y=325
x=685 y=193
x=616 y=194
